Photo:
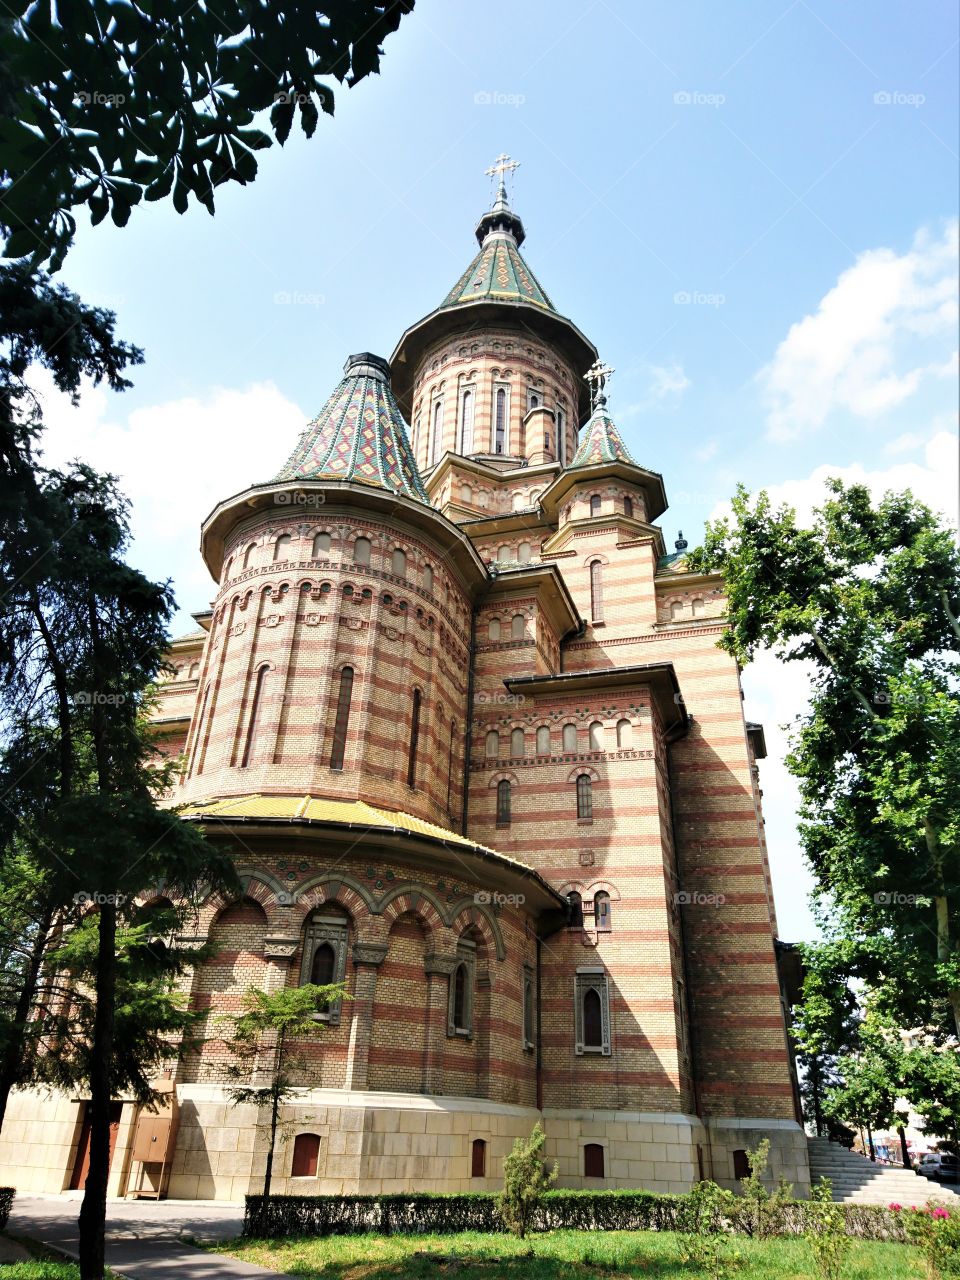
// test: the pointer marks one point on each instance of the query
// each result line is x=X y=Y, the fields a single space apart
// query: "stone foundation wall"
x=389 y=1143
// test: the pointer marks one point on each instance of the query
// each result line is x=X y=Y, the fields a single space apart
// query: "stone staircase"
x=857 y=1180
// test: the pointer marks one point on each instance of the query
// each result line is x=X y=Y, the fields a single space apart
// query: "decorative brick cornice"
x=372 y=953
x=280 y=946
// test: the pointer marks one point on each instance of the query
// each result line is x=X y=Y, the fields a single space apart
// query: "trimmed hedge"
x=6 y=1204
x=442 y=1214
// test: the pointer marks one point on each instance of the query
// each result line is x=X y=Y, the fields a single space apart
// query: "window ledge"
x=584 y=822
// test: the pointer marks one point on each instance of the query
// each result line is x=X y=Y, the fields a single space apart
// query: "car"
x=940 y=1166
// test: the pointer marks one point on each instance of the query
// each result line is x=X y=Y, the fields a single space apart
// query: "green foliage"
x=764 y=1209
x=707 y=1225
x=525 y=1180
x=7 y=1195
x=827 y=1232
x=110 y=105
x=934 y=1230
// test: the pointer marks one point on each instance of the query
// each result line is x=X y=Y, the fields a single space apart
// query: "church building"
x=458 y=711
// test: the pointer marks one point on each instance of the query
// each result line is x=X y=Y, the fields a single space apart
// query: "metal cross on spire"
x=502 y=166
x=598 y=375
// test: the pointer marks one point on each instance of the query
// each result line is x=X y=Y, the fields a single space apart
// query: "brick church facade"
x=460 y=716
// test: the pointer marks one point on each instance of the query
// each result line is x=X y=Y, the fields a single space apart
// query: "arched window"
x=503 y=803
x=592 y=1019
x=500 y=425
x=321 y=545
x=576 y=909
x=523 y=552
x=306 y=1154
x=466 y=422
x=281 y=548
x=254 y=716
x=585 y=796
x=437 y=430
x=602 y=921
x=493 y=629
x=478 y=1158
x=518 y=744
x=519 y=502
x=676 y=610
x=569 y=737
x=593 y=1158
x=697 y=608
x=414 y=739
x=624 y=734
x=529 y=1012
x=503 y=553
x=543 y=740
x=324 y=965
x=460 y=997
x=248 y=555
x=533 y=401
x=427 y=578
x=492 y=745
x=342 y=721
x=466 y=493
x=517 y=627
x=628 y=507
x=226 y=568
x=398 y=563
x=595 y=504
x=361 y=551
x=596 y=591
x=596 y=736
x=194 y=670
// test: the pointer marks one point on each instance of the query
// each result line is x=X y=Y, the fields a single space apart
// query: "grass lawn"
x=554 y=1255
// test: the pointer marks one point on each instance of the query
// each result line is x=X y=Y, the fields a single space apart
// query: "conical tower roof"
x=359 y=435
x=600 y=441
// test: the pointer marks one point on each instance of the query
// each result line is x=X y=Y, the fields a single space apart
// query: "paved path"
x=144 y=1237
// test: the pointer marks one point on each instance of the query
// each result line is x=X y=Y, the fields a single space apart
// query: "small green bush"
x=525 y=1182
x=827 y=1232
x=6 y=1204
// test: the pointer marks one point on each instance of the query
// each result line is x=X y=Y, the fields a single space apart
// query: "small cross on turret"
x=502 y=166
x=598 y=375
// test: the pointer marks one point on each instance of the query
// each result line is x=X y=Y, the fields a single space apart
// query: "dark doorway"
x=81 y=1166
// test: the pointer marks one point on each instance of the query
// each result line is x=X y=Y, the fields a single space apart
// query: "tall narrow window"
x=342 y=721
x=595 y=504
x=281 y=548
x=503 y=803
x=503 y=554
x=602 y=921
x=561 y=438
x=518 y=743
x=533 y=400
x=321 y=545
x=569 y=737
x=248 y=555
x=493 y=629
x=624 y=734
x=585 y=797
x=361 y=551
x=517 y=627
x=628 y=507
x=576 y=909
x=492 y=747
x=460 y=997
x=306 y=1153
x=596 y=591
x=478 y=1158
x=593 y=1160
x=696 y=608
x=592 y=1019
x=324 y=965
x=500 y=427
x=596 y=736
x=676 y=610
x=523 y=552
x=543 y=740
x=466 y=493
x=466 y=422
x=592 y=1007
x=437 y=431
x=428 y=579
x=254 y=716
x=414 y=739
x=398 y=563
x=453 y=738
x=529 y=1014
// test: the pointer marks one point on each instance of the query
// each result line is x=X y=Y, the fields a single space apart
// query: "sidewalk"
x=144 y=1237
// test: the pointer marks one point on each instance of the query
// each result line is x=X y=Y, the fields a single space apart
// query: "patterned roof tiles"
x=600 y=442
x=498 y=274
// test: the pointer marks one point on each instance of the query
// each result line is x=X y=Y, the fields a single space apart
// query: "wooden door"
x=81 y=1165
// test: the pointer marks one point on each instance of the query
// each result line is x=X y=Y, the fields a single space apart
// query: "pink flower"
x=895 y=1206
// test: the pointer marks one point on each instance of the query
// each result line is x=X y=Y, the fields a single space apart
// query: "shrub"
x=525 y=1179
x=707 y=1224
x=827 y=1231
x=761 y=1212
x=935 y=1231
x=6 y=1204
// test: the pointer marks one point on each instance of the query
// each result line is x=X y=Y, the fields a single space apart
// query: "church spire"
x=600 y=440
x=500 y=218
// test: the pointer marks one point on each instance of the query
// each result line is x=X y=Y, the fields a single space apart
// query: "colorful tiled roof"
x=600 y=441
x=498 y=274
x=359 y=435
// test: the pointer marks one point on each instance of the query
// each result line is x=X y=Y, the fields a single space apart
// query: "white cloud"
x=667 y=380
x=859 y=350
x=175 y=462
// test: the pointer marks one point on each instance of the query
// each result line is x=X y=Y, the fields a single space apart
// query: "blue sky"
x=748 y=207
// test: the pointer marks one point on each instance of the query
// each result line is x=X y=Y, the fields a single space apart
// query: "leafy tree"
x=764 y=1208
x=827 y=1231
x=868 y=597
x=931 y=1074
x=707 y=1217
x=269 y=1022
x=105 y=105
x=525 y=1179
x=871 y=1083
